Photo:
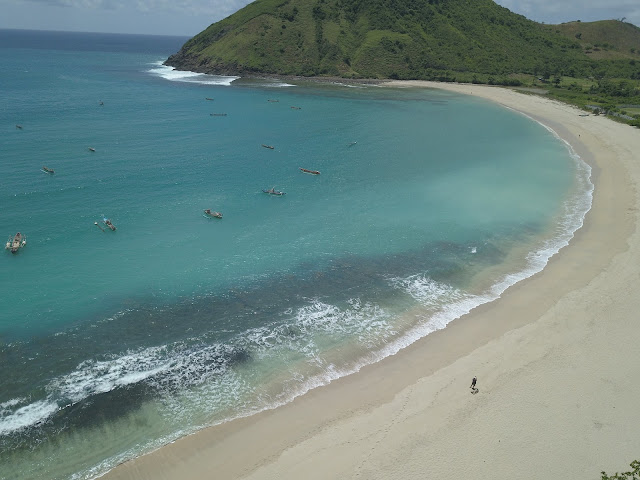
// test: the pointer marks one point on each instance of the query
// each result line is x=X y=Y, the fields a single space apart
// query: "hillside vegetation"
x=596 y=63
x=406 y=39
x=606 y=39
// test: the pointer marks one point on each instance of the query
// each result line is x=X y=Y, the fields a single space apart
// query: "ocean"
x=113 y=343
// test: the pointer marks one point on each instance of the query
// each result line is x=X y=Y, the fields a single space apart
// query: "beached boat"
x=48 y=170
x=310 y=172
x=270 y=147
x=108 y=223
x=273 y=191
x=16 y=242
x=212 y=214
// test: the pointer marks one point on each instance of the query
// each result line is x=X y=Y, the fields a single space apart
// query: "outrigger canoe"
x=16 y=243
x=273 y=191
x=108 y=223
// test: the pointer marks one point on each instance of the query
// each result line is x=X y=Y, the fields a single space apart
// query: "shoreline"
x=534 y=351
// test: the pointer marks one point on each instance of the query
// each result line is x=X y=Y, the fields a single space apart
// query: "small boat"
x=273 y=101
x=213 y=214
x=108 y=223
x=311 y=172
x=48 y=170
x=19 y=127
x=208 y=98
x=16 y=242
x=101 y=103
x=270 y=147
x=297 y=108
x=218 y=114
x=92 y=149
x=273 y=191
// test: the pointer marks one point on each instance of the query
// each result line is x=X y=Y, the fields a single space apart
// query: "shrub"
x=631 y=475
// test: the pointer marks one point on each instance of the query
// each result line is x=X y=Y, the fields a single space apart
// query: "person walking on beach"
x=473 y=383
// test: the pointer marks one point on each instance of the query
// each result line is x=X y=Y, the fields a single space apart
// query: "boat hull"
x=16 y=243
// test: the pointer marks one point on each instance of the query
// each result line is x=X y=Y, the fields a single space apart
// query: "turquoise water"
x=427 y=205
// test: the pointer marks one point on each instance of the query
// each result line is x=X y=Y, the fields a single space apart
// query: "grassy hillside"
x=606 y=39
x=593 y=65
x=380 y=39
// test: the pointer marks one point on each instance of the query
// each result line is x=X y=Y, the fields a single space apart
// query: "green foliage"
x=606 y=39
x=408 y=39
x=630 y=475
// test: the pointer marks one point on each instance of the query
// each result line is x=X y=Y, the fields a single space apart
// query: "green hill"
x=606 y=39
x=406 y=39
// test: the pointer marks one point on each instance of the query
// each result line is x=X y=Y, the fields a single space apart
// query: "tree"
x=631 y=475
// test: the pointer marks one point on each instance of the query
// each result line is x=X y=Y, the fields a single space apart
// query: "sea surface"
x=113 y=343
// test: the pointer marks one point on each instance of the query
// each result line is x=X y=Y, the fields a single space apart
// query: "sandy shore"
x=556 y=357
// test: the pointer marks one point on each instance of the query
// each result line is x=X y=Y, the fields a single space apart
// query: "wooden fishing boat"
x=310 y=172
x=212 y=214
x=273 y=191
x=16 y=242
x=48 y=170
x=108 y=223
x=270 y=147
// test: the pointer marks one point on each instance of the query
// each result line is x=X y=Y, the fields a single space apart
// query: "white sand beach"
x=556 y=358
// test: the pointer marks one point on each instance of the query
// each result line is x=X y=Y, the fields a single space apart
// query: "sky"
x=189 y=17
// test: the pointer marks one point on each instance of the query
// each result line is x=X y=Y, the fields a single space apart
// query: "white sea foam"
x=427 y=291
x=169 y=73
x=367 y=322
x=276 y=84
x=29 y=415
x=93 y=377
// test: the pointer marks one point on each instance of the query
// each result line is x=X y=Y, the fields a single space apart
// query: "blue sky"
x=189 y=17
